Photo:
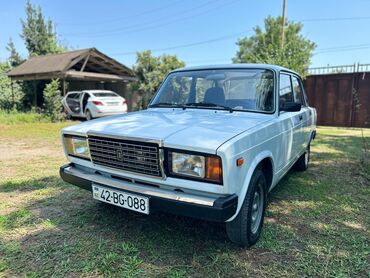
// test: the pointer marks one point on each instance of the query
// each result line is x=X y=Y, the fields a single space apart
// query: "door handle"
x=300 y=117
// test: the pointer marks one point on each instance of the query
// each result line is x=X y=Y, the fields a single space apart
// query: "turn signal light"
x=239 y=161
x=214 y=169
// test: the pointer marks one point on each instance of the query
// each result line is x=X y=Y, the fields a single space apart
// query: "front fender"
x=245 y=185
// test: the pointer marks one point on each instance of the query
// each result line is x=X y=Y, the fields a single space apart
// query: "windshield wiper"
x=165 y=104
x=209 y=104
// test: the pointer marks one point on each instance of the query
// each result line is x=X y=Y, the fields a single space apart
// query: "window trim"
x=291 y=86
x=304 y=104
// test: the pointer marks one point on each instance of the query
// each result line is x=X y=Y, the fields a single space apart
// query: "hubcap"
x=257 y=208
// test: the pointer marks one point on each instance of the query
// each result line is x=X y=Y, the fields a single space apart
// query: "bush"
x=53 y=104
x=9 y=99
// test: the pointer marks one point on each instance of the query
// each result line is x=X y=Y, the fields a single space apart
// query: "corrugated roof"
x=47 y=63
x=62 y=62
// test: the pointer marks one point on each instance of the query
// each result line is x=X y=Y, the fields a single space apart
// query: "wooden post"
x=35 y=93
x=85 y=62
x=64 y=87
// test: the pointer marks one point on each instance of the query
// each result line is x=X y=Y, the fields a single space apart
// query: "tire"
x=88 y=115
x=303 y=162
x=243 y=230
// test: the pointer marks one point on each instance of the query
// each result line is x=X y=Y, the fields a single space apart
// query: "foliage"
x=150 y=72
x=265 y=46
x=9 y=99
x=38 y=33
x=53 y=104
x=15 y=58
x=15 y=117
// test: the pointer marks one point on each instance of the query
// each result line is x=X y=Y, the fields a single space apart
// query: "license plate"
x=112 y=103
x=121 y=199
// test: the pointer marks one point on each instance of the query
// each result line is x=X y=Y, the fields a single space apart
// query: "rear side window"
x=105 y=95
x=285 y=90
x=298 y=92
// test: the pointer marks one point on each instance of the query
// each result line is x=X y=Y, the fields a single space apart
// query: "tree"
x=14 y=58
x=150 y=72
x=53 y=104
x=10 y=98
x=38 y=33
x=265 y=46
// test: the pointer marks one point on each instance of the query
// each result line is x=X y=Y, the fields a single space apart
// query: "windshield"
x=232 y=89
x=103 y=94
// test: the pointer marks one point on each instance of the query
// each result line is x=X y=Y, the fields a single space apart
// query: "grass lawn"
x=317 y=222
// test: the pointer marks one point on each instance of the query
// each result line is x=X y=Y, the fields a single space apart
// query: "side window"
x=298 y=92
x=78 y=96
x=285 y=90
x=71 y=96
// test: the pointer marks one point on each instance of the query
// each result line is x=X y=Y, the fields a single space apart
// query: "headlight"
x=204 y=167
x=77 y=146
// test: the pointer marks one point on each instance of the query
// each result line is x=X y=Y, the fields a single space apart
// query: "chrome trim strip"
x=157 y=192
x=94 y=133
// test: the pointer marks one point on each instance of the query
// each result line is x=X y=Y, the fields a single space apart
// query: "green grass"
x=317 y=222
x=14 y=117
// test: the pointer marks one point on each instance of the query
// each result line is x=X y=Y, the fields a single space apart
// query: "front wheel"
x=246 y=228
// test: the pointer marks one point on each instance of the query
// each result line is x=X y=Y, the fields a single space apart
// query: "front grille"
x=133 y=156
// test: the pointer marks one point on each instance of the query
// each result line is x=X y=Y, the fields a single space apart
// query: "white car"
x=90 y=104
x=212 y=144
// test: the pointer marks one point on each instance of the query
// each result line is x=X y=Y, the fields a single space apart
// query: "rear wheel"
x=304 y=160
x=88 y=115
x=246 y=228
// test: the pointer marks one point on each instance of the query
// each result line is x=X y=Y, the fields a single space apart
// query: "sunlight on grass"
x=316 y=223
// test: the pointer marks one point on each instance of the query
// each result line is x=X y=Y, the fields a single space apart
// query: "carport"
x=77 y=70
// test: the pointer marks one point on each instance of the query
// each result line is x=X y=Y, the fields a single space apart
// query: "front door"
x=73 y=103
x=292 y=120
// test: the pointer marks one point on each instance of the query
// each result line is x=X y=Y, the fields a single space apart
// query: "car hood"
x=191 y=129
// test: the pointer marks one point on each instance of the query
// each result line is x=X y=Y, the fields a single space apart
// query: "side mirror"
x=291 y=107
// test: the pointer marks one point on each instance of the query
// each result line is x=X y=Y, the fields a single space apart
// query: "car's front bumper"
x=217 y=209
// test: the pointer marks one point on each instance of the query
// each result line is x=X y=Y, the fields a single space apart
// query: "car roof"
x=98 y=91
x=237 y=66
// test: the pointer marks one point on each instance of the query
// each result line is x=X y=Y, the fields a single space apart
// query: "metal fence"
x=357 y=67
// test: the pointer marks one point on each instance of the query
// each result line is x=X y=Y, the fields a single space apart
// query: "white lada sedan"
x=212 y=144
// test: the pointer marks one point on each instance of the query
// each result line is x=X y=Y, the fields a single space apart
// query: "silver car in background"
x=90 y=104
